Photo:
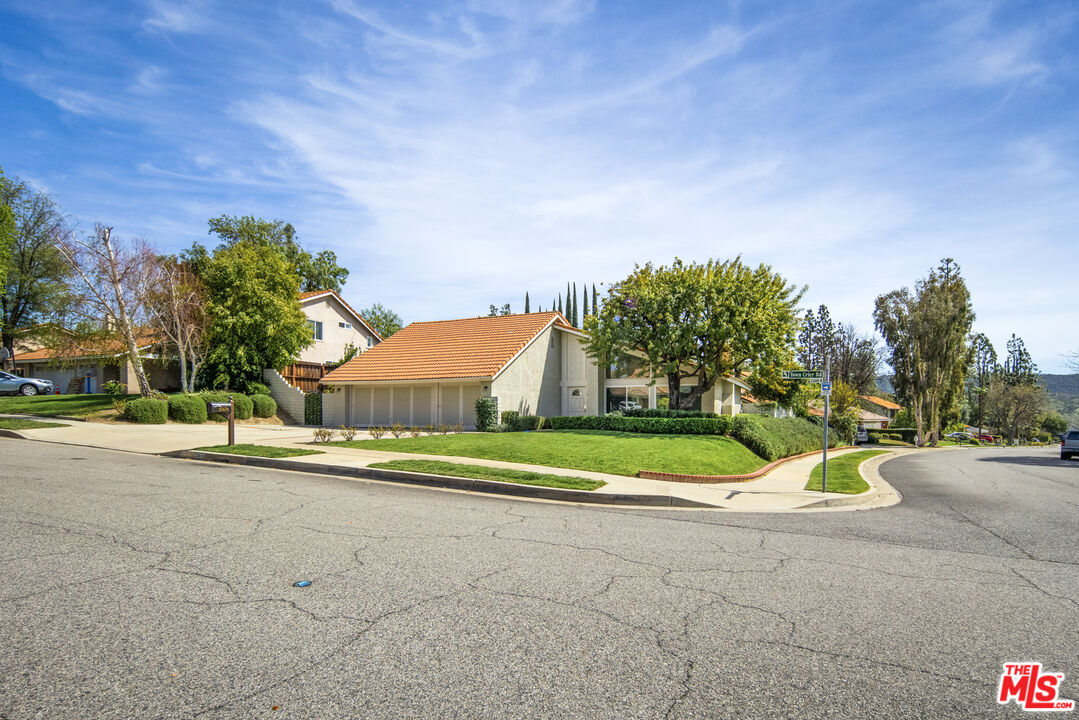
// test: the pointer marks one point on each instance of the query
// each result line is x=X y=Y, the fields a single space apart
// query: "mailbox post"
x=228 y=409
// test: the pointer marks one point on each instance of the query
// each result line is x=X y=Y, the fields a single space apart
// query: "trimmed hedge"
x=241 y=403
x=312 y=408
x=905 y=434
x=147 y=411
x=509 y=418
x=529 y=422
x=658 y=426
x=264 y=406
x=667 y=413
x=486 y=414
x=774 y=438
x=187 y=409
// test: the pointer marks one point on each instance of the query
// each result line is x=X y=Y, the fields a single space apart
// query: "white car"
x=629 y=405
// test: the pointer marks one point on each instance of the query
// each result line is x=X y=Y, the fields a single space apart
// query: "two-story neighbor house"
x=535 y=364
x=335 y=326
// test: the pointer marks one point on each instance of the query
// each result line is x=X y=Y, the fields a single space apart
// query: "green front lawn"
x=23 y=424
x=50 y=405
x=268 y=451
x=617 y=453
x=479 y=472
x=843 y=476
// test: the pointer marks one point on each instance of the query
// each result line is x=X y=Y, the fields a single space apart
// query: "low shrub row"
x=774 y=438
x=187 y=409
x=513 y=421
x=667 y=413
x=661 y=426
x=193 y=409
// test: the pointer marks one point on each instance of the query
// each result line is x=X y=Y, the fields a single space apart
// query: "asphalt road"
x=143 y=587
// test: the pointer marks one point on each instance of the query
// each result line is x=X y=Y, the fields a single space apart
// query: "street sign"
x=811 y=375
x=826 y=388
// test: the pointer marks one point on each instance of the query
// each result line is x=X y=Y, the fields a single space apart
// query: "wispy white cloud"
x=175 y=16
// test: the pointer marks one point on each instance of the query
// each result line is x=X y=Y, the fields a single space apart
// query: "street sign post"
x=826 y=390
x=810 y=375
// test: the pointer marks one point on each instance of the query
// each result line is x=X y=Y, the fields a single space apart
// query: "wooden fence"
x=304 y=375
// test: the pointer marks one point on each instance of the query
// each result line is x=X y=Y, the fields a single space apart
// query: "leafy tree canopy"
x=382 y=319
x=316 y=272
x=35 y=283
x=699 y=321
x=256 y=319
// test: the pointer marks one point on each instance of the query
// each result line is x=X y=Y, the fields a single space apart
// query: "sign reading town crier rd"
x=811 y=375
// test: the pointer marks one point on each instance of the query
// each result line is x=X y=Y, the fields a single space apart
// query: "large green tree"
x=256 y=320
x=35 y=283
x=698 y=321
x=7 y=231
x=983 y=363
x=926 y=333
x=316 y=272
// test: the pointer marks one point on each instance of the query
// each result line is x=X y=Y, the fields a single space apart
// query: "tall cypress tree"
x=560 y=303
x=573 y=310
x=526 y=303
x=595 y=301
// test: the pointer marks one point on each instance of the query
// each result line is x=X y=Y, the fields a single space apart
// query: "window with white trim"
x=316 y=328
x=345 y=325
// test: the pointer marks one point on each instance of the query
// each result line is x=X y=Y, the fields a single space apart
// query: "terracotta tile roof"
x=319 y=293
x=469 y=348
x=872 y=416
x=882 y=402
x=110 y=348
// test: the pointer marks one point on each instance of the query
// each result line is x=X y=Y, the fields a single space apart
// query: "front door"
x=576 y=401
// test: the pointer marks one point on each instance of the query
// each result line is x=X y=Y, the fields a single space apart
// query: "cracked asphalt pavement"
x=143 y=587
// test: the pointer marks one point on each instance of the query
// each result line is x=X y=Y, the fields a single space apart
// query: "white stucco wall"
x=331 y=347
x=532 y=383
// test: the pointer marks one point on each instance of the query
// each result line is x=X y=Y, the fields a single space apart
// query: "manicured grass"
x=521 y=477
x=22 y=424
x=617 y=453
x=843 y=474
x=895 y=443
x=269 y=451
x=50 y=405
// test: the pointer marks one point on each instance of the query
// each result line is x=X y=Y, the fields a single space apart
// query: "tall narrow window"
x=316 y=328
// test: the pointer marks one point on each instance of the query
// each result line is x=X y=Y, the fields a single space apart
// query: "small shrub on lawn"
x=377 y=432
x=443 y=428
x=187 y=409
x=114 y=388
x=312 y=408
x=348 y=432
x=486 y=413
x=264 y=406
x=119 y=406
x=459 y=428
x=147 y=411
x=324 y=435
x=414 y=431
x=510 y=418
x=397 y=430
x=243 y=407
x=429 y=429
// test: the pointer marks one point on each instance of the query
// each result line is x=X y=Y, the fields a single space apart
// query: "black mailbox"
x=219 y=407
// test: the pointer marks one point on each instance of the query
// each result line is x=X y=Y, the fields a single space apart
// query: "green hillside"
x=1064 y=395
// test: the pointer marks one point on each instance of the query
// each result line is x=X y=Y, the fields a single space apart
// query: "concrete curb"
x=443 y=481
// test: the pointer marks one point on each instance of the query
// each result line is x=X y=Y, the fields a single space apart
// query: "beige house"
x=87 y=370
x=534 y=364
x=335 y=326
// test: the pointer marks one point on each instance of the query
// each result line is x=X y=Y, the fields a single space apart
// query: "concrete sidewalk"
x=780 y=490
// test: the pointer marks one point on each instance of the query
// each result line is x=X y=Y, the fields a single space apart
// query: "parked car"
x=14 y=385
x=1069 y=446
x=861 y=436
x=986 y=439
x=959 y=436
x=629 y=405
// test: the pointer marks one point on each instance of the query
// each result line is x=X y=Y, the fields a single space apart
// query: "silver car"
x=15 y=385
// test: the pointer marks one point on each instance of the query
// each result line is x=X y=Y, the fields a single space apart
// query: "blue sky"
x=456 y=154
